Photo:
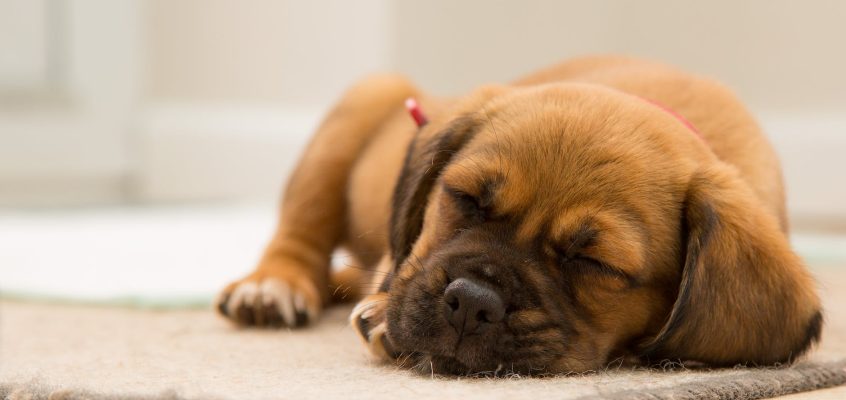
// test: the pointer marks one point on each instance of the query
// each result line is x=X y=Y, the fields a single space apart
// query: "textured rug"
x=60 y=351
x=742 y=384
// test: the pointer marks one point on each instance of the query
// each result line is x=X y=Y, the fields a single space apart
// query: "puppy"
x=603 y=208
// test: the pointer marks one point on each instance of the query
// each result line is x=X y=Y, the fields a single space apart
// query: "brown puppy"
x=603 y=208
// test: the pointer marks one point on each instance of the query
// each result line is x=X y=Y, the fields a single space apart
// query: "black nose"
x=470 y=307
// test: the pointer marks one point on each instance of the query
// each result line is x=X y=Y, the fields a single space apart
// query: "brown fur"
x=628 y=234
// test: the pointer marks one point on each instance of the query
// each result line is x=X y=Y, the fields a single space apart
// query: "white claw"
x=268 y=297
x=377 y=349
x=369 y=311
x=299 y=302
x=302 y=306
x=244 y=293
x=282 y=294
x=288 y=301
x=359 y=310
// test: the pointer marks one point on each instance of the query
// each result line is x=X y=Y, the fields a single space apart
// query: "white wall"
x=235 y=88
x=226 y=92
x=294 y=53
x=778 y=54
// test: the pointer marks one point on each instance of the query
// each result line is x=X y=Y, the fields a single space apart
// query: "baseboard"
x=68 y=190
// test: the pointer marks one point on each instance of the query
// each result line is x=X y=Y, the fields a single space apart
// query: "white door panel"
x=24 y=44
x=69 y=79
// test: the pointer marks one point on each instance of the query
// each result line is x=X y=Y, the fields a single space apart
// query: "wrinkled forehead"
x=548 y=169
x=555 y=186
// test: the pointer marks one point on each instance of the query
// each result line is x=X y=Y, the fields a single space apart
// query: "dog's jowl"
x=605 y=208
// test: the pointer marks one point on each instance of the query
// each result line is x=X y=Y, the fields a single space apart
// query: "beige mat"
x=91 y=352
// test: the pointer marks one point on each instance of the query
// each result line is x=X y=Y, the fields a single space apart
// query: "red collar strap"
x=676 y=115
x=416 y=113
x=413 y=108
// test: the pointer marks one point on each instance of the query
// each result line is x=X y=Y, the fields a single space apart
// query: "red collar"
x=420 y=119
x=676 y=115
x=416 y=113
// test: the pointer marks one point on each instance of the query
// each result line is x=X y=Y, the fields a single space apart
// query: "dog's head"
x=557 y=228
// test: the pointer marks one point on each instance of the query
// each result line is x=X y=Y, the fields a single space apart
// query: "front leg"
x=290 y=286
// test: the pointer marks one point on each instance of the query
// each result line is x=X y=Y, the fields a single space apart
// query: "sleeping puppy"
x=604 y=208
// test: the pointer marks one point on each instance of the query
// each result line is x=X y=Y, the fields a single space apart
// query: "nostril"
x=453 y=303
x=482 y=316
x=471 y=306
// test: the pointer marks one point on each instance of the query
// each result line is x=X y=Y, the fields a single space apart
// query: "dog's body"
x=669 y=165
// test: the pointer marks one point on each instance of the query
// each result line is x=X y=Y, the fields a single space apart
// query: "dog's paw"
x=368 y=319
x=270 y=300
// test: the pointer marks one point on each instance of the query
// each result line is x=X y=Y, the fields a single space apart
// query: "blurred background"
x=143 y=143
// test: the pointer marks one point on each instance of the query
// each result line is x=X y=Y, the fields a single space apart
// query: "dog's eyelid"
x=608 y=269
x=600 y=266
x=474 y=203
x=458 y=193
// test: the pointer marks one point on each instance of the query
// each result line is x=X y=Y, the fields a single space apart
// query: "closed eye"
x=469 y=205
x=589 y=265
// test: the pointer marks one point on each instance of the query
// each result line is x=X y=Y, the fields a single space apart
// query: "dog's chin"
x=443 y=360
x=444 y=365
x=464 y=363
x=441 y=354
x=448 y=365
x=451 y=366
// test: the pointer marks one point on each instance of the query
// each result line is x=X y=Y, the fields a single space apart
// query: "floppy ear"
x=744 y=296
x=424 y=161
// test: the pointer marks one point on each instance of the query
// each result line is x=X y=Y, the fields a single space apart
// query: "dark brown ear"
x=424 y=161
x=744 y=296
